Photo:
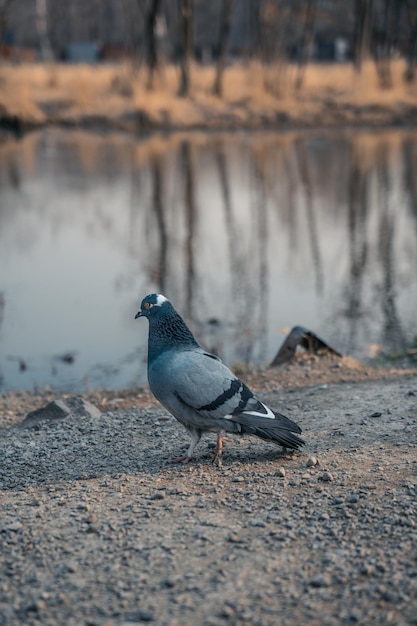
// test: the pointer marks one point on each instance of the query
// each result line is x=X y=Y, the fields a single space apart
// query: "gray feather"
x=198 y=389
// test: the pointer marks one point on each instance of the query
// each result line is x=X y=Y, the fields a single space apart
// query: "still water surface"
x=247 y=234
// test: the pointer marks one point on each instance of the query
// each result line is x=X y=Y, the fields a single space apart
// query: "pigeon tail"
x=280 y=430
x=280 y=436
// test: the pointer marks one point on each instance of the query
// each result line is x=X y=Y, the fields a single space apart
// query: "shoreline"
x=114 y=97
x=303 y=372
x=139 y=124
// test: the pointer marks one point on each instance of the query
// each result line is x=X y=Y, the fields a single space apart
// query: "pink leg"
x=186 y=458
x=219 y=446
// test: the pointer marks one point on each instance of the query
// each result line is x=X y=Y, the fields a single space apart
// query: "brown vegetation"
x=254 y=96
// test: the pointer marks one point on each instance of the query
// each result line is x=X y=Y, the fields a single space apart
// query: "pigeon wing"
x=204 y=383
x=199 y=384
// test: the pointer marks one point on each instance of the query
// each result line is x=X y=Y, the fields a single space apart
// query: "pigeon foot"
x=183 y=459
x=221 y=437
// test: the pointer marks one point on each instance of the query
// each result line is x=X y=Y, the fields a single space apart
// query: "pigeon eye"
x=147 y=305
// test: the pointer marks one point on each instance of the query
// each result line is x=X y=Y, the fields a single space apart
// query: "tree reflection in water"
x=246 y=232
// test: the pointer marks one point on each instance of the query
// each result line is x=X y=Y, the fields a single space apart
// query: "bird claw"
x=183 y=459
x=219 y=447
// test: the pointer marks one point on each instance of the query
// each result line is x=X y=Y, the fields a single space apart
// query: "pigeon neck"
x=167 y=333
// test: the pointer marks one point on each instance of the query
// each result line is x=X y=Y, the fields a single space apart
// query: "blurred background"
x=252 y=160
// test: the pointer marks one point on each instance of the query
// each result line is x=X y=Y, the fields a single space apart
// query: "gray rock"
x=326 y=477
x=61 y=409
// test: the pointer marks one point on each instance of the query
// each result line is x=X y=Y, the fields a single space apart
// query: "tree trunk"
x=151 y=41
x=4 y=19
x=225 y=27
x=307 y=42
x=362 y=31
x=412 y=46
x=254 y=26
x=42 y=27
x=186 y=45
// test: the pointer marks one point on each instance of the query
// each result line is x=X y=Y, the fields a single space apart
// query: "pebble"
x=13 y=527
x=158 y=495
x=312 y=461
x=228 y=547
x=326 y=477
x=319 y=581
x=258 y=523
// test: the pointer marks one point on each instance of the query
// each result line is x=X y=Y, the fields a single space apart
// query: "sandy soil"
x=98 y=528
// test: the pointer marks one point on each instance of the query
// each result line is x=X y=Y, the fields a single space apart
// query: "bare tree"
x=363 y=21
x=42 y=28
x=4 y=18
x=186 y=45
x=254 y=16
x=384 y=45
x=412 y=43
x=151 y=41
x=225 y=27
x=307 y=41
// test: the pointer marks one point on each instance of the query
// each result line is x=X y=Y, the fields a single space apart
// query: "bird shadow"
x=80 y=451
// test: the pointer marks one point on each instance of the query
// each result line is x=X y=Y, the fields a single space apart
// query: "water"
x=248 y=234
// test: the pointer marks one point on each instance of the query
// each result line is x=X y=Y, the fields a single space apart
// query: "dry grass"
x=68 y=93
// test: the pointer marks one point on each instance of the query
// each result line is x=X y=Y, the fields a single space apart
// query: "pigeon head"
x=167 y=329
x=152 y=305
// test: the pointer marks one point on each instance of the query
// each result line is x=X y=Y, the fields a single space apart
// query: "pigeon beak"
x=138 y=314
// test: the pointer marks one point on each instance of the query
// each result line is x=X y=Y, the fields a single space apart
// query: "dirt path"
x=97 y=528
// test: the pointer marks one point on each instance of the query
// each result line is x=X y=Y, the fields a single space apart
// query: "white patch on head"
x=160 y=299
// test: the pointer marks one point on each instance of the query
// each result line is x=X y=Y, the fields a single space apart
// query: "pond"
x=248 y=234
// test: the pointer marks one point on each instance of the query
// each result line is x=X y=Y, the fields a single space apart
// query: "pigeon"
x=199 y=390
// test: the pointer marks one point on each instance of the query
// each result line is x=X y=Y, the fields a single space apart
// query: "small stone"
x=158 y=495
x=13 y=527
x=281 y=472
x=258 y=523
x=319 y=581
x=326 y=477
x=312 y=461
x=61 y=409
x=145 y=616
x=353 y=498
x=71 y=567
x=238 y=479
x=227 y=611
x=93 y=528
x=376 y=414
x=141 y=615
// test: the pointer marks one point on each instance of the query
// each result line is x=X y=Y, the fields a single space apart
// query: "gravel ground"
x=97 y=528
